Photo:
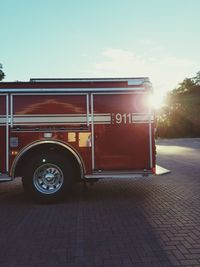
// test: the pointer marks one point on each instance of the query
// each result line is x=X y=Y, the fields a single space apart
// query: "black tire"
x=47 y=177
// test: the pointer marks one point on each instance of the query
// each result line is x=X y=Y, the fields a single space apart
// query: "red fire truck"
x=54 y=132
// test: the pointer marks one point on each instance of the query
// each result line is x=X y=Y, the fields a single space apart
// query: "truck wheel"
x=47 y=178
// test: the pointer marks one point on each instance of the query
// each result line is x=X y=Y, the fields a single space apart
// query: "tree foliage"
x=180 y=117
x=2 y=75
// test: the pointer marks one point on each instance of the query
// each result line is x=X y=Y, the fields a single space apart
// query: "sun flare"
x=156 y=100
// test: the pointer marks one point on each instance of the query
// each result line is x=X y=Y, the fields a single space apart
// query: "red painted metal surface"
x=49 y=104
x=122 y=145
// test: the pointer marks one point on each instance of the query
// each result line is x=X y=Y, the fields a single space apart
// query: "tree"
x=181 y=115
x=2 y=75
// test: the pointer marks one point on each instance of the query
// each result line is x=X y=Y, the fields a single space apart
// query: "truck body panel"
x=106 y=122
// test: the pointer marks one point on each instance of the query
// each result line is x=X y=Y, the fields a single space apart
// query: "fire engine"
x=55 y=132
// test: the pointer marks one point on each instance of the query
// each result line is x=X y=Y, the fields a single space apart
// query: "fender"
x=54 y=142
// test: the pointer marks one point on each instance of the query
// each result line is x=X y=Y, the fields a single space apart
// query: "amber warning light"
x=14 y=152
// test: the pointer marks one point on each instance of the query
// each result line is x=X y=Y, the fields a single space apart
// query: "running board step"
x=114 y=175
x=5 y=178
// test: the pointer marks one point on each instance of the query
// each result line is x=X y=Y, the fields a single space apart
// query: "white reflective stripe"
x=59 y=119
x=73 y=119
x=3 y=119
x=102 y=118
x=59 y=115
x=48 y=119
x=141 y=118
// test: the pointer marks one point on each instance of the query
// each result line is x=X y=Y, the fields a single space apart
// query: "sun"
x=156 y=100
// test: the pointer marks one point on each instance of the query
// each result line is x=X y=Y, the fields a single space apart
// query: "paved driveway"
x=147 y=222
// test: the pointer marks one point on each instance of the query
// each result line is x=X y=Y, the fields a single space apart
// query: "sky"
x=101 y=38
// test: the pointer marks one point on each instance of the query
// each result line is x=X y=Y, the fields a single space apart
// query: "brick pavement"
x=147 y=222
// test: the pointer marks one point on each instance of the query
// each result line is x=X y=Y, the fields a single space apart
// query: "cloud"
x=118 y=62
x=176 y=62
x=165 y=71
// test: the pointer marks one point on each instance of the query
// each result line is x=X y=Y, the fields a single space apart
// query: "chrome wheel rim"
x=48 y=178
